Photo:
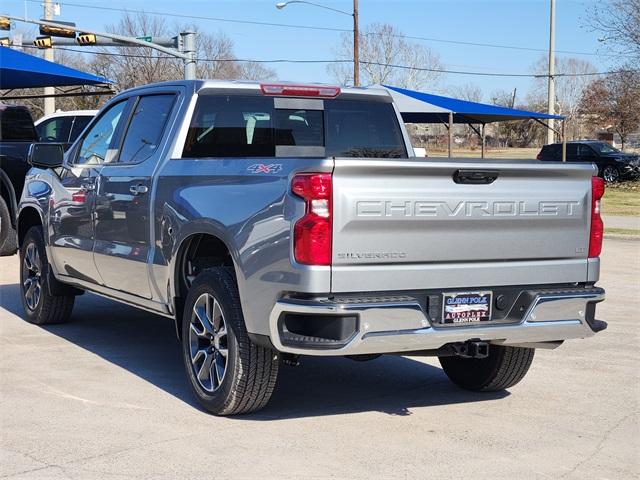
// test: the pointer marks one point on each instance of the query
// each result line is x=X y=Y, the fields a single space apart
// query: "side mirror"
x=46 y=155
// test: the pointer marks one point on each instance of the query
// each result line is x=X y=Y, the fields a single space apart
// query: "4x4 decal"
x=264 y=168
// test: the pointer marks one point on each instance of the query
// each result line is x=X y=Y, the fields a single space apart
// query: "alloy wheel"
x=208 y=347
x=32 y=277
x=610 y=174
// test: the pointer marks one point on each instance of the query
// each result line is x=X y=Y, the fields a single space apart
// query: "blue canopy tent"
x=20 y=70
x=420 y=107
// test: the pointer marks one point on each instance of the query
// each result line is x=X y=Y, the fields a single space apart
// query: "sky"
x=515 y=23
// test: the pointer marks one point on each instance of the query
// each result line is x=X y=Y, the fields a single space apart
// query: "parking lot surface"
x=105 y=397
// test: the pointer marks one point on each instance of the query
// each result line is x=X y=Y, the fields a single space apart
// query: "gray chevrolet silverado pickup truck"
x=276 y=220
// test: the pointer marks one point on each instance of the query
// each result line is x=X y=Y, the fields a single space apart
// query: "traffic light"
x=5 y=23
x=86 y=39
x=43 y=42
x=5 y=42
x=58 y=31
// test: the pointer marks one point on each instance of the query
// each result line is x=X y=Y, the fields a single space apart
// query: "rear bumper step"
x=368 y=324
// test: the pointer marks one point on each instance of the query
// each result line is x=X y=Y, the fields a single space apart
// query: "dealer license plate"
x=466 y=307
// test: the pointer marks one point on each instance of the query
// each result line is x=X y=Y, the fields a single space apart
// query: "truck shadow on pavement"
x=145 y=345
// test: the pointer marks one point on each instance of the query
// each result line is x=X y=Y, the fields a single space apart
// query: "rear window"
x=55 y=130
x=357 y=128
x=243 y=126
x=16 y=125
x=551 y=152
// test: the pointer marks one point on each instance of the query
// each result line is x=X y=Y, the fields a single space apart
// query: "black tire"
x=503 y=368
x=8 y=237
x=250 y=371
x=610 y=174
x=46 y=308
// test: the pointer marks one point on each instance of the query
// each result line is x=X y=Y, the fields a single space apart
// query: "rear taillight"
x=597 y=227
x=539 y=156
x=312 y=233
x=319 y=91
x=79 y=197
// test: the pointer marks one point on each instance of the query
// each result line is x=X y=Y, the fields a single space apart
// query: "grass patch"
x=622 y=199
x=623 y=231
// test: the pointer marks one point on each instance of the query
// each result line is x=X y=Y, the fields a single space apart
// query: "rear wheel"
x=228 y=374
x=610 y=174
x=40 y=306
x=8 y=237
x=503 y=368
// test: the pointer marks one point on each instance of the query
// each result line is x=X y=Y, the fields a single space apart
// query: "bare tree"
x=613 y=103
x=467 y=91
x=132 y=66
x=519 y=133
x=138 y=65
x=618 y=22
x=256 y=71
x=569 y=88
x=382 y=46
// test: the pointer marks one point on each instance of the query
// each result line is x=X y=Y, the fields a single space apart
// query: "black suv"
x=613 y=165
x=17 y=133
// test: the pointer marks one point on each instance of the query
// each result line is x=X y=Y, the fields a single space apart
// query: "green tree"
x=613 y=103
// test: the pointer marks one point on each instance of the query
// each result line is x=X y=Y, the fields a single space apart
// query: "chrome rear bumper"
x=395 y=324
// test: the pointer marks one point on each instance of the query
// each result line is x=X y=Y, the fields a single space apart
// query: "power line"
x=199 y=17
x=381 y=64
x=314 y=27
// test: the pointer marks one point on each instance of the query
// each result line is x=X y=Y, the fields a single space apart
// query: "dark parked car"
x=17 y=133
x=613 y=165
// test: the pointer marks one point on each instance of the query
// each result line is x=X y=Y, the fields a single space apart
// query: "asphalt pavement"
x=106 y=397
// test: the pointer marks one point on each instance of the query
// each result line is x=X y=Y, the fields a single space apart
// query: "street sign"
x=145 y=39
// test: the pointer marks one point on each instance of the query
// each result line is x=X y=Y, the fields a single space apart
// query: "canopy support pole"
x=564 y=143
x=450 y=132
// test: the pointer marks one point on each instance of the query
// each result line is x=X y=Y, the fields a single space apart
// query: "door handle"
x=475 y=177
x=138 y=189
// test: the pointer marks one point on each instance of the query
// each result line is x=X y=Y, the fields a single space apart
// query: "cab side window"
x=585 y=152
x=96 y=146
x=145 y=129
x=55 y=130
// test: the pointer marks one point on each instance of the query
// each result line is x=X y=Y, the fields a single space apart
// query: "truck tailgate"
x=427 y=224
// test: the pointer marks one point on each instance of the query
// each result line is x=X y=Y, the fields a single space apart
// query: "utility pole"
x=356 y=31
x=551 y=92
x=49 y=101
x=356 y=45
